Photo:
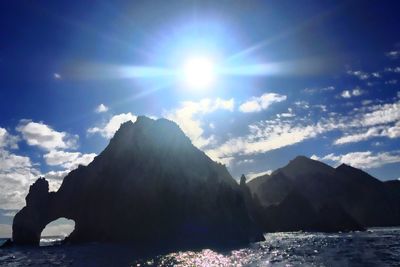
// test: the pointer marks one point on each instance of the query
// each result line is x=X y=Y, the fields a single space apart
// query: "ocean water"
x=375 y=247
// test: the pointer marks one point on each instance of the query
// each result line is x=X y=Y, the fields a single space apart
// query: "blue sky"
x=319 y=79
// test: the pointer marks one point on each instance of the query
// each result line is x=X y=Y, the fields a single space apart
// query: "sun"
x=199 y=72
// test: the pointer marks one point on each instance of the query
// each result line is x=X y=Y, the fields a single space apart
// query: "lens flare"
x=199 y=72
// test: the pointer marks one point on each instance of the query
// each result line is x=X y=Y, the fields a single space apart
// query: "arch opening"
x=56 y=231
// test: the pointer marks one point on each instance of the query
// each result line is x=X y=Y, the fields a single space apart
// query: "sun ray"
x=287 y=32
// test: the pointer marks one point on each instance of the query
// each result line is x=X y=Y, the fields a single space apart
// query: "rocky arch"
x=60 y=227
x=150 y=187
x=30 y=221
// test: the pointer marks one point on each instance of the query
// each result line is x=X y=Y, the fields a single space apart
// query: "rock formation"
x=310 y=195
x=150 y=187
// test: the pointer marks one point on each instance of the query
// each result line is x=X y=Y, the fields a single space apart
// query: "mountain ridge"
x=150 y=187
x=367 y=200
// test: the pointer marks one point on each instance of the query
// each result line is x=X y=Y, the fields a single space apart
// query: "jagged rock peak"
x=304 y=160
x=148 y=131
x=350 y=169
x=301 y=158
x=143 y=122
x=41 y=185
x=300 y=161
x=303 y=165
x=38 y=191
x=344 y=166
x=243 y=180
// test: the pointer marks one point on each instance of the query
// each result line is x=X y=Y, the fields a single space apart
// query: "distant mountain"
x=356 y=198
x=150 y=187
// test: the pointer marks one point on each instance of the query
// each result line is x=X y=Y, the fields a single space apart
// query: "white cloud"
x=357 y=92
x=68 y=160
x=227 y=161
x=302 y=104
x=395 y=70
x=57 y=76
x=372 y=132
x=393 y=54
x=376 y=75
x=101 y=108
x=366 y=102
x=392 y=82
x=108 y=130
x=390 y=131
x=286 y=115
x=365 y=160
x=359 y=74
x=244 y=161
x=56 y=175
x=10 y=213
x=43 y=136
x=266 y=136
x=256 y=104
x=381 y=120
x=322 y=107
x=252 y=175
x=346 y=94
x=318 y=90
x=16 y=174
x=8 y=140
x=381 y=114
x=349 y=93
x=188 y=117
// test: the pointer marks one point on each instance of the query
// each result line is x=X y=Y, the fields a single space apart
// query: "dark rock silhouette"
x=150 y=187
x=294 y=213
x=339 y=199
x=8 y=243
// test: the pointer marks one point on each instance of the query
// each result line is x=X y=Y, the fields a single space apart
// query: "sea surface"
x=375 y=247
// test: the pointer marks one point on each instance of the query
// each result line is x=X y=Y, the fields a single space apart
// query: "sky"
x=252 y=83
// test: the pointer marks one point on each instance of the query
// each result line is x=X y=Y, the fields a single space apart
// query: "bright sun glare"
x=199 y=72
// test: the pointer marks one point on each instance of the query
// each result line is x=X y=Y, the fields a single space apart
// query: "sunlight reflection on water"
x=376 y=247
x=292 y=249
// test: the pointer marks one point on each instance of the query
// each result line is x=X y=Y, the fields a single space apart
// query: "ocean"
x=375 y=247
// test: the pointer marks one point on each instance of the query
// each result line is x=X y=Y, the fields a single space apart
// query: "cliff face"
x=149 y=187
x=342 y=198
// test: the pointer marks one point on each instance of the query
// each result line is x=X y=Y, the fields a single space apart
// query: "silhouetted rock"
x=8 y=243
x=150 y=187
x=252 y=204
x=294 y=213
x=344 y=198
x=333 y=218
x=31 y=220
x=393 y=188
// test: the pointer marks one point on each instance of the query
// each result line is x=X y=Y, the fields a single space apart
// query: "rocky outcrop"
x=339 y=199
x=296 y=213
x=32 y=219
x=150 y=187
